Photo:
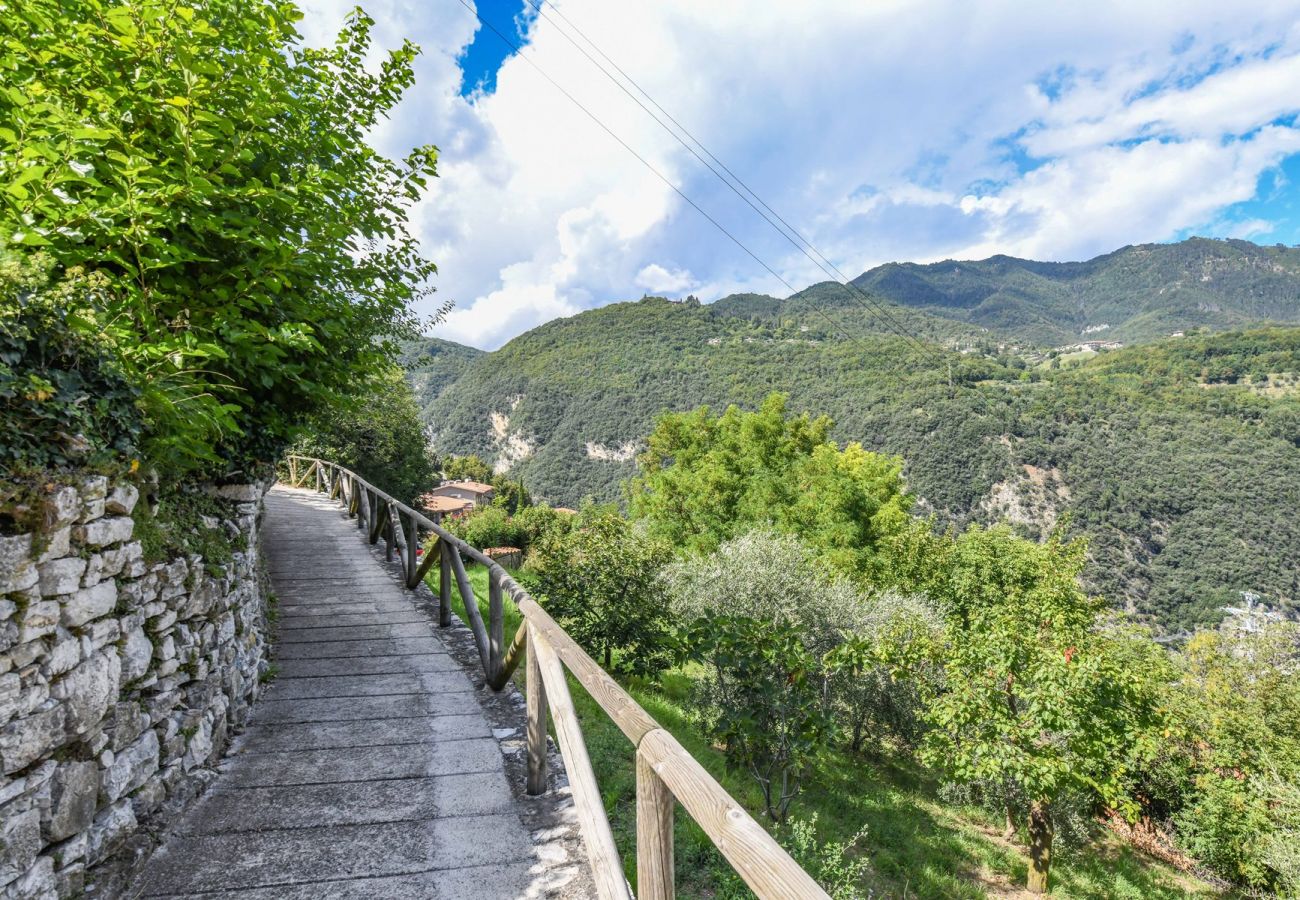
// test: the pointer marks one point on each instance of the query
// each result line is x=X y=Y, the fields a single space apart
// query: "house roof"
x=566 y=510
x=477 y=487
x=434 y=503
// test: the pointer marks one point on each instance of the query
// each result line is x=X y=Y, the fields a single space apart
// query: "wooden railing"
x=665 y=772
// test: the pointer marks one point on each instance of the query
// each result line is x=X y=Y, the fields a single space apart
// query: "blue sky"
x=890 y=130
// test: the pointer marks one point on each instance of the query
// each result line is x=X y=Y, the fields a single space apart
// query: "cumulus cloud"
x=881 y=131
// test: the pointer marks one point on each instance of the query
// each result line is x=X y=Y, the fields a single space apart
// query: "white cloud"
x=655 y=277
x=883 y=130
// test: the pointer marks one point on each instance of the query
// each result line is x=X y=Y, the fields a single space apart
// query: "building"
x=476 y=492
x=444 y=506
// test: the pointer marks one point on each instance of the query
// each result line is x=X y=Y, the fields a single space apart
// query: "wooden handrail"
x=666 y=772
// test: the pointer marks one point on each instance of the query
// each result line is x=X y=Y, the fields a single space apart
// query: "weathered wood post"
x=293 y=470
x=654 y=834
x=444 y=584
x=496 y=627
x=536 y=706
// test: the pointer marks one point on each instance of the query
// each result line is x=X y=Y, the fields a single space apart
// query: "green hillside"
x=433 y=364
x=1177 y=459
x=1134 y=294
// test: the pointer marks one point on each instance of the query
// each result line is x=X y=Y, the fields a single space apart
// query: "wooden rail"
x=666 y=774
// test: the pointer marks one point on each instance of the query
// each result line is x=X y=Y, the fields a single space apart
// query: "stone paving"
x=370 y=768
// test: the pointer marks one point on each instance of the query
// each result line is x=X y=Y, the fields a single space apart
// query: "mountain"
x=1134 y=294
x=1179 y=460
x=432 y=364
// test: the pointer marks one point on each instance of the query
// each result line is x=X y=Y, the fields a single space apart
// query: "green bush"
x=376 y=433
x=215 y=175
x=600 y=580
x=64 y=399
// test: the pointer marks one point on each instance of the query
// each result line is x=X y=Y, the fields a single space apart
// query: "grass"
x=918 y=846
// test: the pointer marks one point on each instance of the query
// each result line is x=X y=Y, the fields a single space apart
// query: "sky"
x=882 y=130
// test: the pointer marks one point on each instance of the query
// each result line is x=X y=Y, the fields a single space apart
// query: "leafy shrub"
x=378 y=434
x=601 y=582
x=215 y=174
x=64 y=398
x=761 y=617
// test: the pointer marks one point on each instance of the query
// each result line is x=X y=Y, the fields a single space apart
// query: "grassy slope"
x=918 y=845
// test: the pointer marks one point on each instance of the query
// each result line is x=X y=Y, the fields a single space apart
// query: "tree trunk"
x=1040 y=846
x=1009 y=833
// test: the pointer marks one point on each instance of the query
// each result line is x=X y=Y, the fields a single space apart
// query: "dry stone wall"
x=120 y=682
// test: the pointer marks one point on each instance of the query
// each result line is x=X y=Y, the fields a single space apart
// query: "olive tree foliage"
x=215 y=173
x=1039 y=696
x=762 y=617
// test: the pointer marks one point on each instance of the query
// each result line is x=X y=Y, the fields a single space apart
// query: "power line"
x=785 y=229
x=651 y=167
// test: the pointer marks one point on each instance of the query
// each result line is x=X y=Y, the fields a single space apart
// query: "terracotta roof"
x=477 y=487
x=501 y=551
x=445 y=504
x=565 y=510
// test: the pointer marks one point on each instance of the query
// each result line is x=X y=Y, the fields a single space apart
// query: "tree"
x=762 y=617
x=703 y=481
x=601 y=582
x=216 y=175
x=379 y=435
x=1037 y=700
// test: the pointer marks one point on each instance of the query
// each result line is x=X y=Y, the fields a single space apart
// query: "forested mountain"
x=1178 y=460
x=1134 y=294
x=433 y=364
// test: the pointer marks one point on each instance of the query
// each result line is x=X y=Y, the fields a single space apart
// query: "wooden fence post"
x=654 y=834
x=536 y=694
x=444 y=584
x=496 y=627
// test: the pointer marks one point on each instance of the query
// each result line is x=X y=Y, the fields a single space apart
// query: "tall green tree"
x=1037 y=698
x=704 y=480
x=216 y=174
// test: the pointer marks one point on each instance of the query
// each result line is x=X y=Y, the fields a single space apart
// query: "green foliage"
x=64 y=399
x=1145 y=460
x=467 y=468
x=1035 y=695
x=1238 y=750
x=763 y=700
x=187 y=522
x=705 y=480
x=765 y=690
x=377 y=433
x=600 y=580
x=215 y=175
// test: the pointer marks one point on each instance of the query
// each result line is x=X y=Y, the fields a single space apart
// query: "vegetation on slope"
x=1146 y=451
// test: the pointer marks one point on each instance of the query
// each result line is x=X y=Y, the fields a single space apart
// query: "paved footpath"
x=368 y=769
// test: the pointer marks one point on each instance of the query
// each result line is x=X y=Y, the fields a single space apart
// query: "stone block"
x=74 y=793
x=65 y=654
x=150 y=796
x=24 y=654
x=17 y=570
x=20 y=841
x=101 y=532
x=136 y=651
x=94 y=487
x=199 y=746
x=37 y=883
x=10 y=696
x=121 y=499
x=131 y=767
x=88 y=690
x=61 y=576
x=129 y=722
x=109 y=830
x=103 y=632
x=62 y=507
x=239 y=493
x=91 y=510
x=89 y=603
x=38 y=620
x=58 y=544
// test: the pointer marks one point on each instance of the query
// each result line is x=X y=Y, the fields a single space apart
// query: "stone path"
x=369 y=769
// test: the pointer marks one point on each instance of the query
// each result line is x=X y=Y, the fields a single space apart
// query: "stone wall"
x=119 y=684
